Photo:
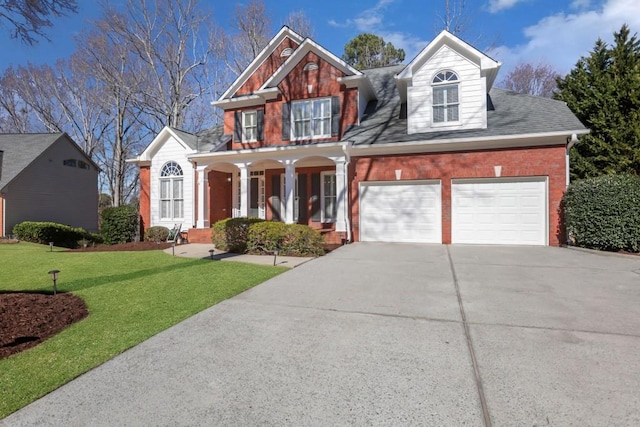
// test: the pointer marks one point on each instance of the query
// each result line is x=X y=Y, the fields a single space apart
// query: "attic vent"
x=286 y=52
x=310 y=66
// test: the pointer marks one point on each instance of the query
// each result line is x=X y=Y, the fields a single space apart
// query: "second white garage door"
x=408 y=212
x=499 y=211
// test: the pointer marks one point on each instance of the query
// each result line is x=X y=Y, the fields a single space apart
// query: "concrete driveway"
x=385 y=334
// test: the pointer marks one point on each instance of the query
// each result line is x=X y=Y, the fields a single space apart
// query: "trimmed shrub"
x=604 y=213
x=119 y=224
x=156 y=233
x=231 y=234
x=44 y=232
x=265 y=237
x=302 y=240
x=289 y=239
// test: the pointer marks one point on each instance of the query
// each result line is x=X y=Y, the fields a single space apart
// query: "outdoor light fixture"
x=211 y=251
x=54 y=277
x=50 y=246
x=275 y=256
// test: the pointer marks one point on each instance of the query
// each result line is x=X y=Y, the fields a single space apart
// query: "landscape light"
x=54 y=277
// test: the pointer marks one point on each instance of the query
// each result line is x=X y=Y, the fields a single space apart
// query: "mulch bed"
x=27 y=319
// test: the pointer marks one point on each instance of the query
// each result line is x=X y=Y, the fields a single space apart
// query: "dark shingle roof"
x=20 y=150
x=205 y=141
x=512 y=114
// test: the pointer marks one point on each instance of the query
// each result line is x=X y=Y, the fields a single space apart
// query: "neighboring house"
x=424 y=152
x=46 y=177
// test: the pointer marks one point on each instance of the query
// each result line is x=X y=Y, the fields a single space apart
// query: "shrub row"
x=45 y=232
x=256 y=236
x=604 y=213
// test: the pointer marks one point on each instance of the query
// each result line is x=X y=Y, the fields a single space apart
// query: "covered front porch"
x=304 y=184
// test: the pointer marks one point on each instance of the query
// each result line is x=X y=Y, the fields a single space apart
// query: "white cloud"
x=499 y=5
x=580 y=4
x=560 y=40
x=373 y=21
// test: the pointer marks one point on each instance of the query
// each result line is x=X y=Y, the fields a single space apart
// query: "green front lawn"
x=131 y=296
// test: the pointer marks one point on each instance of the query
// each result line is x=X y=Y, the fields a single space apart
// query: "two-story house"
x=423 y=152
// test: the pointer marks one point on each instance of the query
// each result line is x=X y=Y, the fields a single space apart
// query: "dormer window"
x=249 y=126
x=446 y=99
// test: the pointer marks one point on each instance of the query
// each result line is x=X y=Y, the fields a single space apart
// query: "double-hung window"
x=446 y=98
x=249 y=126
x=328 y=199
x=171 y=192
x=311 y=118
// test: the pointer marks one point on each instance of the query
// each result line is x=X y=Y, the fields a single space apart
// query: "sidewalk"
x=202 y=250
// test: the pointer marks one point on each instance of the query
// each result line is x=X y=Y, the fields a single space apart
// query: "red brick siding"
x=219 y=196
x=199 y=235
x=542 y=161
x=145 y=198
x=267 y=68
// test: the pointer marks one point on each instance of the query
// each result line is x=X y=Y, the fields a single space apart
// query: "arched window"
x=310 y=66
x=287 y=51
x=171 y=192
x=446 y=97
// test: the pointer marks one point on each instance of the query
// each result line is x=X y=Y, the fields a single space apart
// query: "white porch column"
x=341 y=196
x=203 y=199
x=289 y=196
x=244 y=189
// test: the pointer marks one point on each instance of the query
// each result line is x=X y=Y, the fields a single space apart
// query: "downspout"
x=571 y=141
x=347 y=206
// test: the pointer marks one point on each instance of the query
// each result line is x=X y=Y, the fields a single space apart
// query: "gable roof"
x=21 y=149
x=285 y=32
x=510 y=114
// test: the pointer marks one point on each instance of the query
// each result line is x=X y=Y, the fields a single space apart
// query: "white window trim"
x=457 y=83
x=293 y=136
x=244 y=125
x=171 y=199
x=323 y=219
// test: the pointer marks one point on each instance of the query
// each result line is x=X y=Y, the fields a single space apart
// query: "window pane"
x=438 y=114
x=452 y=113
x=165 y=205
x=165 y=189
x=452 y=94
x=177 y=209
x=438 y=96
x=177 y=189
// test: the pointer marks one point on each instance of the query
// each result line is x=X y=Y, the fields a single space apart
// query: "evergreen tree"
x=603 y=90
x=370 y=51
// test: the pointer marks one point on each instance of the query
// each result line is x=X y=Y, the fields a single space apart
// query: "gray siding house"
x=46 y=177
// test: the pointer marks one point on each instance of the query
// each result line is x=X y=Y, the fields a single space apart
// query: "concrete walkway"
x=384 y=334
x=201 y=250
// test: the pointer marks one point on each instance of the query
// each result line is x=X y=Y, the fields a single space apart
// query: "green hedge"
x=231 y=234
x=44 y=232
x=256 y=236
x=156 y=233
x=119 y=224
x=289 y=239
x=604 y=213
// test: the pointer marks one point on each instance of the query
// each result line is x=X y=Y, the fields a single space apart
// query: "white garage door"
x=499 y=211
x=408 y=211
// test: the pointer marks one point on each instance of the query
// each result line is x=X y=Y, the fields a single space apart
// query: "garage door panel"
x=400 y=212
x=499 y=211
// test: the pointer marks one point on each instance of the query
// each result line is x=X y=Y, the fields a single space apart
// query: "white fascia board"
x=262 y=56
x=239 y=102
x=274 y=152
x=160 y=139
x=361 y=82
x=307 y=46
x=466 y=144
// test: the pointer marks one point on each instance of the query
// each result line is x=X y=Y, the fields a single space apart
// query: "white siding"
x=473 y=93
x=47 y=190
x=171 y=150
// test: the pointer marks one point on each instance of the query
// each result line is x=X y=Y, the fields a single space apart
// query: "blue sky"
x=557 y=32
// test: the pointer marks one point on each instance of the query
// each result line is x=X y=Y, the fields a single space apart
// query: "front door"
x=256 y=194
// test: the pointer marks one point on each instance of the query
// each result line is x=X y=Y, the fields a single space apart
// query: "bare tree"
x=14 y=113
x=28 y=18
x=538 y=79
x=252 y=27
x=170 y=39
x=454 y=18
x=299 y=22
